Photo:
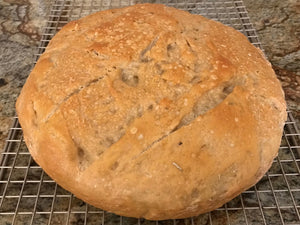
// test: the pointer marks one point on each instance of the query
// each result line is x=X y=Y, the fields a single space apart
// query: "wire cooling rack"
x=29 y=196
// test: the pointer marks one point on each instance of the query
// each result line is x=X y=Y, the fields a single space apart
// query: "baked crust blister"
x=149 y=111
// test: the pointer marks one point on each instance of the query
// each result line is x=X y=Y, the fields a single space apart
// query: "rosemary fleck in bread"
x=149 y=111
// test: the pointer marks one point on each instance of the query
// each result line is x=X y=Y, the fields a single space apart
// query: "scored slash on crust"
x=206 y=102
x=76 y=91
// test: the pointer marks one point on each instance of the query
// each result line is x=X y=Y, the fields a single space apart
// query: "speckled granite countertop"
x=278 y=27
x=20 y=29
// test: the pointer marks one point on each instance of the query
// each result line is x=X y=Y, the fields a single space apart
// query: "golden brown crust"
x=148 y=111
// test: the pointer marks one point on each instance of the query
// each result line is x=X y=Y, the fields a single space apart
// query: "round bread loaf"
x=149 y=111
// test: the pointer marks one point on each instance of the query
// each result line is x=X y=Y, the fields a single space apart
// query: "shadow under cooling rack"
x=29 y=196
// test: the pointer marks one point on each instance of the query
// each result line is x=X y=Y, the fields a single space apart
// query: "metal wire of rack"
x=29 y=196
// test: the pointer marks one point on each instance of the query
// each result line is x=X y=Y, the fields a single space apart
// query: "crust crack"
x=190 y=47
